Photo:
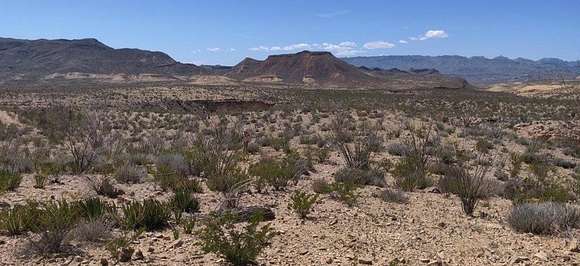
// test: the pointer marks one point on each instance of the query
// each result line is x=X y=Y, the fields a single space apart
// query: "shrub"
x=92 y=209
x=150 y=215
x=357 y=157
x=183 y=201
x=56 y=220
x=393 y=195
x=370 y=176
x=302 y=203
x=40 y=181
x=483 y=145
x=175 y=163
x=104 y=187
x=410 y=173
x=20 y=219
x=398 y=149
x=320 y=186
x=544 y=218
x=470 y=185
x=92 y=231
x=345 y=192
x=253 y=148
x=516 y=164
x=9 y=181
x=130 y=174
x=273 y=173
x=528 y=190
x=238 y=247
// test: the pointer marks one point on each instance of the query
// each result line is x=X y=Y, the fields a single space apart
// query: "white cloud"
x=403 y=41
x=333 y=14
x=433 y=34
x=213 y=50
x=339 y=49
x=378 y=45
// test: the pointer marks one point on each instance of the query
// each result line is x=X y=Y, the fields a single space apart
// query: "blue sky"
x=224 y=32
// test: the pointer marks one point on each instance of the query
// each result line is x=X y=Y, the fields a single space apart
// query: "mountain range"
x=478 y=70
x=25 y=62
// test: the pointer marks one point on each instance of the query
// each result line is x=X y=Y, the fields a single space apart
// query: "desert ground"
x=217 y=175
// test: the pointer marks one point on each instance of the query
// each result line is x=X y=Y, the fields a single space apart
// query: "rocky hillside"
x=35 y=59
x=478 y=70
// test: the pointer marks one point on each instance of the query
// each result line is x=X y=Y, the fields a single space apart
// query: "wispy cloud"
x=403 y=41
x=333 y=14
x=339 y=49
x=378 y=45
x=217 y=50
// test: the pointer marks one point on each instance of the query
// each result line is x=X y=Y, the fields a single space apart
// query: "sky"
x=226 y=31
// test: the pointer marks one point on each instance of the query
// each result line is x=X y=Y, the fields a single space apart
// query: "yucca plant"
x=149 y=215
x=9 y=180
x=40 y=181
x=20 y=219
x=92 y=208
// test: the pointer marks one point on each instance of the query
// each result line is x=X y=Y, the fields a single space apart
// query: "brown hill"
x=320 y=68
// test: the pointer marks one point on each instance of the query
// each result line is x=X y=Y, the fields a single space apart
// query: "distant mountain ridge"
x=478 y=70
x=48 y=62
x=29 y=59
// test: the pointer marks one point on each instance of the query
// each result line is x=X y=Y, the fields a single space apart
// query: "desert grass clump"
x=149 y=215
x=92 y=209
x=9 y=180
x=302 y=203
x=239 y=247
x=393 y=196
x=130 y=174
x=321 y=186
x=371 y=176
x=40 y=181
x=544 y=218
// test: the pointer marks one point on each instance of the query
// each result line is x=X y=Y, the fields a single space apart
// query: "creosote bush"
x=237 y=246
x=302 y=203
x=274 y=173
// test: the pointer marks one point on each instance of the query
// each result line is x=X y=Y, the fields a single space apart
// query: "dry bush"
x=544 y=218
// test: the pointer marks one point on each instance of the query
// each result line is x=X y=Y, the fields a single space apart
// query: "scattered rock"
x=126 y=254
x=138 y=255
x=246 y=214
x=519 y=259
x=541 y=255
x=177 y=244
x=573 y=246
x=104 y=262
x=365 y=260
x=432 y=190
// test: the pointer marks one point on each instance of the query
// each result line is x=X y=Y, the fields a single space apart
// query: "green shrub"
x=40 y=181
x=410 y=173
x=273 y=173
x=9 y=181
x=56 y=221
x=183 y=201
x=238 y=247
x=150 y=215
x=470 y=185
x=483 y=145
x=92 y=209
x=20 y=219
x=302 y=203
x=544 y=218
x=345 y=192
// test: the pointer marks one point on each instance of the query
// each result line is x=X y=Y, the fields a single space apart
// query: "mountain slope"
x=478 y=70
x=33 y=59
x=320 y=68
